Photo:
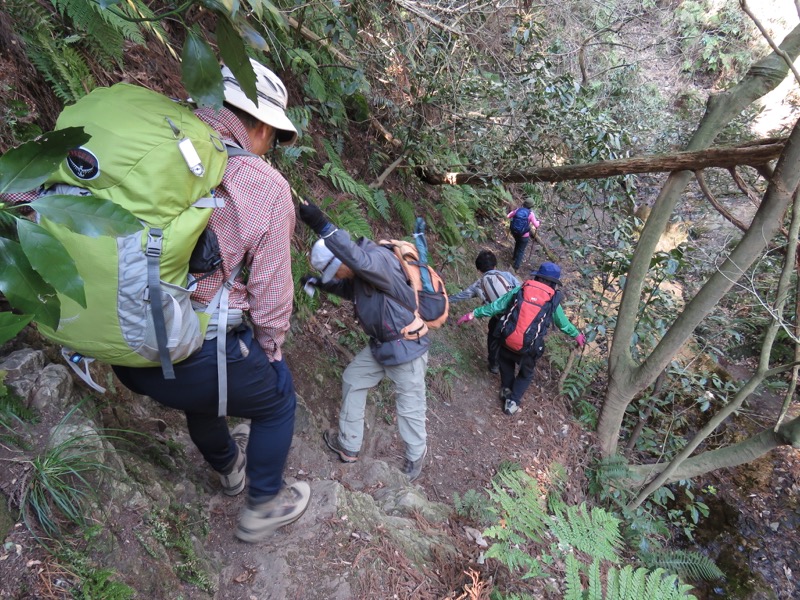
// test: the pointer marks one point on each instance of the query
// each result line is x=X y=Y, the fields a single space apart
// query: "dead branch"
x=411 y=6
x=751 y=193
x=753 y=154
x=701 y=180
x=388 y=171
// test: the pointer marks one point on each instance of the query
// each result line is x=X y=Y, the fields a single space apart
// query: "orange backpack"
x=432 y=306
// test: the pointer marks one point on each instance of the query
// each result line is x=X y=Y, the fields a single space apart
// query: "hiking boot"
x=494 y=369
x=331 y=437
x=233 y=481
x=258 y=521
x=511 y=407
x=504 y=394
x=413 y=468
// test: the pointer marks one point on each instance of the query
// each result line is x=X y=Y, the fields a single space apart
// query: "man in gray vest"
x=372 y=277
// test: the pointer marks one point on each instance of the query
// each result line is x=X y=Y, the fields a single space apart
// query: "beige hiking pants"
x=363 y=373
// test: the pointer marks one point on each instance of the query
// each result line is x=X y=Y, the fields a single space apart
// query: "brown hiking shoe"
x=331 y=437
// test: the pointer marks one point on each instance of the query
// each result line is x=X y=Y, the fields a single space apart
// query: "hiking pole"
x=533 y=239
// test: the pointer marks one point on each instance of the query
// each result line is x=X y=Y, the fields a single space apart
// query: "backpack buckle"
x=155 y=238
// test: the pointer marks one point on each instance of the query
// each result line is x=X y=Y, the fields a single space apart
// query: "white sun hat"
x=272 y=100
x=324 y=261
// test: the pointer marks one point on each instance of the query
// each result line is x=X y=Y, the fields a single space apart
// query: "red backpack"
x=524 y=326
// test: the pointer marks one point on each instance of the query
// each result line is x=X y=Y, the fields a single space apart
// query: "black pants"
x=492 y=343
x=516 y=381
x=520 y=244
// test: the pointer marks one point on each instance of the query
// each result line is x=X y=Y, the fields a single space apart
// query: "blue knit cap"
x=549 y=271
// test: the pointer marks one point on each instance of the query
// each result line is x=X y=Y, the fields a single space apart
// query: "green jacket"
x=500 y=306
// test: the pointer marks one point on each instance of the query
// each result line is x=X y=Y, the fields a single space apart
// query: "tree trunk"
x=754 y=154
x=749 y=450
x=626 y=379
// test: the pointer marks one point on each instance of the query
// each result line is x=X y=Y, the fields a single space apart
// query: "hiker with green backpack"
x=254 y=230
x=525 y=314
x=168 y=306
x=372 y=277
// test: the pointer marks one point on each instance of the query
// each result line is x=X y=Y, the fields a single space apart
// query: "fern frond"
x=342 y=181
x=577 y=380
x=60 y=64
x=333 y=154
x=107 y=40
x=630 y=584
x=519 y=499
x=406 y=210
x=594 y=532
x=690 y=565
x=595 y=591
x=573 y=584
x=347 y=215
x=381 y=204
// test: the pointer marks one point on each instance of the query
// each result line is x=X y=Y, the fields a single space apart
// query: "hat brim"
x=266 y=113
x=546 y=278
x=331 y=270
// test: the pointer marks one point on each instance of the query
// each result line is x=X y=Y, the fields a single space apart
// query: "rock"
x=53 y=388
x=22 y=363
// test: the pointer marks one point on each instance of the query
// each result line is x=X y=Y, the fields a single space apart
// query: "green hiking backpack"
x=155 y=158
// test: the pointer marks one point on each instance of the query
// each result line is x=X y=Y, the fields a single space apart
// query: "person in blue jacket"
x=514 y=383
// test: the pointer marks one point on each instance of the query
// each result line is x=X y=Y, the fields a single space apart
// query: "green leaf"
x=87 y=215
x=11 y=325
x=25 y=288
x=107 y=3
x=29 y=166
x=316 y=86
x=250 y=35
x=51 y=260
x=200 y=72
x=235 y=57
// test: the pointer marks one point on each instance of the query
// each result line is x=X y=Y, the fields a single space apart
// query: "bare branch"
x=770 y=41
x=414 y=8
x=388 y=171
x=742 y=184
x=701 y=180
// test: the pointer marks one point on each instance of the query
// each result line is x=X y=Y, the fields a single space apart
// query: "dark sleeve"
x=367 y=261
x=339 y=287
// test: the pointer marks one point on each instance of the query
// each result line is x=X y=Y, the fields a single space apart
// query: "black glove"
x=312 y=216
x=306 y=278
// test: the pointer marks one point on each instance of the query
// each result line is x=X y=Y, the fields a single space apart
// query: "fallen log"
x=755 y=154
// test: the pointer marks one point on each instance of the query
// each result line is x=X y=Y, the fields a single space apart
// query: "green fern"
x=595 y=532
x=406 y=211
x=691 y=565
x=623 y=584
x=60 y=64
x=342 y=181
x=334 y=153
x=579 y=378
x=347 y=215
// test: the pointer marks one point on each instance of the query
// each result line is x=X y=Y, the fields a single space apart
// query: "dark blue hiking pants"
x=517 y=382
x=520 y=244
x=251 y=395
x=492 y=342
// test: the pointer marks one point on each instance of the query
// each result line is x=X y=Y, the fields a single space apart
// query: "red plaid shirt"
x=255 y=225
